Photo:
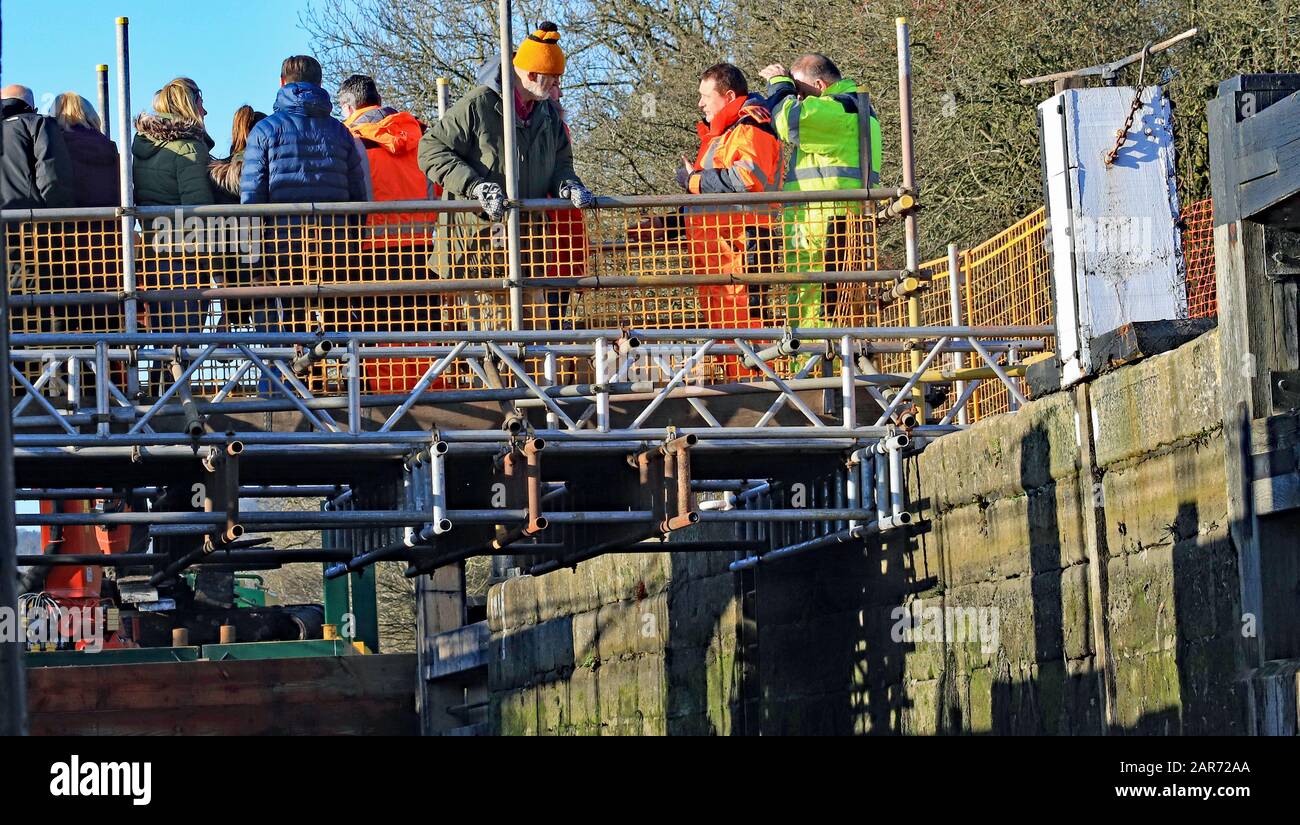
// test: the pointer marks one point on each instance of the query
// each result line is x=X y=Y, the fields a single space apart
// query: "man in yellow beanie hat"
x=465 y=154
x=540 y=53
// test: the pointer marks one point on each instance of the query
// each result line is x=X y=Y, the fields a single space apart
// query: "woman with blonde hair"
x=82 y=266
x=171 y=148
x=171 y=152
x=94 y=156
x=225 y=172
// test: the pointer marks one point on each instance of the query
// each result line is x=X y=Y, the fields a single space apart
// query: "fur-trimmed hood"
x=171 y=162
x=154 y=131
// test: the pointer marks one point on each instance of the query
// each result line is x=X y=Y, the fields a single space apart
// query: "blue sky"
x=231 y=49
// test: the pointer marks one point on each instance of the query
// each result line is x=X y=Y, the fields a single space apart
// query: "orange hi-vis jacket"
x=391 y=139
x=741 y=149
x=739 y=152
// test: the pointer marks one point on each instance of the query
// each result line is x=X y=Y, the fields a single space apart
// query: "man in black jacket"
x=36 y=172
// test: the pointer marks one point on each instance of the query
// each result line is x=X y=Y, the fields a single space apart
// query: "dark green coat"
x=465 y=148
x=170 y=162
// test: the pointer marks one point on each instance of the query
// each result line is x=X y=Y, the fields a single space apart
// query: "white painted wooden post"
x=1116 y=253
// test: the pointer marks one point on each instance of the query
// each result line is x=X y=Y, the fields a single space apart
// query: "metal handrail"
x=758 y=199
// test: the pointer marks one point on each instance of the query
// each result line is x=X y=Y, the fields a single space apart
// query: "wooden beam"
x=1259 y=345
x=1250 y=142
x=364 y=695
x=457 y=651
x=1109 y=69
x=1269 y=157
x=1276 y=494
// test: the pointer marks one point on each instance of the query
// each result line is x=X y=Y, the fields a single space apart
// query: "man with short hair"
x=358 y=91
x=390 y=139
x=37 y=168
x=464 y=152
x=815 y=110
x=300 y=154
x=395 y=246
x=739 y=152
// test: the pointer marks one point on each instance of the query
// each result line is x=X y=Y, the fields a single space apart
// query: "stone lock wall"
x=1174 y=609
x=1057 y=584
x=612 y=648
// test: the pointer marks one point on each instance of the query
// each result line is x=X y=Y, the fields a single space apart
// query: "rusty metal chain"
x=1122 y=134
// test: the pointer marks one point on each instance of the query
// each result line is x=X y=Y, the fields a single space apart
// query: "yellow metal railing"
x=1005 y=280
x=612 y=268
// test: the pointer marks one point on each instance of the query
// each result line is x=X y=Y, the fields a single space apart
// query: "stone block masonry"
x=1059 y=584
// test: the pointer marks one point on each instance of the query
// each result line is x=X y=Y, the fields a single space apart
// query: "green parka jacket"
x=170 y=162
x=466 y=147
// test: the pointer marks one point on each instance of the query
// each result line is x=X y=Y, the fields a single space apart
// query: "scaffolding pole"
x=511 y=168
x=101 y=72
x=955 y=284
x=907 y=154
x=13 y=687
x=130 y=305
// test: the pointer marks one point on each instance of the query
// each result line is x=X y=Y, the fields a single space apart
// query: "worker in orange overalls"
x=739 y=152
x=395 y=245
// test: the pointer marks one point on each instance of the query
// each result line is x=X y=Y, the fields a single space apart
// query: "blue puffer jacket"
x=301 y=154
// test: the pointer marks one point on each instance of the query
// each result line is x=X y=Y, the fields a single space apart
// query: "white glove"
x=578 y=195
x=492 y=198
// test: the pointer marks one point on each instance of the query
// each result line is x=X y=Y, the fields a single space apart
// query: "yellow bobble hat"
x=541 y=51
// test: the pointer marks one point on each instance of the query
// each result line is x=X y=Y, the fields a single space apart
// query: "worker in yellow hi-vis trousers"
x=818 y=112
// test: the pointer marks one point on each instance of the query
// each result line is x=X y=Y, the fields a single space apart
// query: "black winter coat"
x=94 y=167
x=36 y=171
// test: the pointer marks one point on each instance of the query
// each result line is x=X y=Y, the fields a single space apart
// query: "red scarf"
x=523 y=106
